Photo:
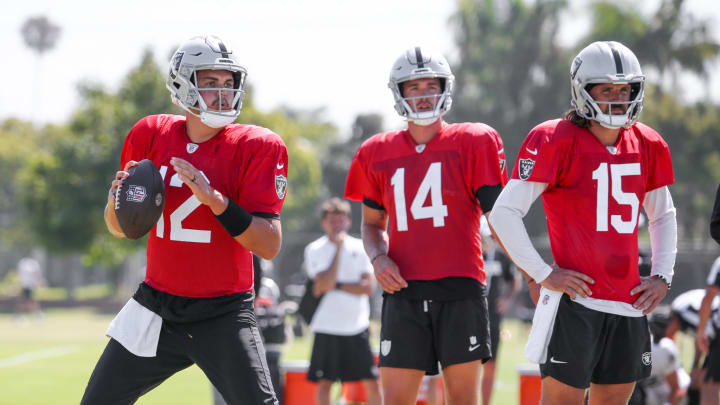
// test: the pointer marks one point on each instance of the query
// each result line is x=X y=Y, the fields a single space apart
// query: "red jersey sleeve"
x=540 y=155
x=488 y=160
x=139 y=140
x=359 y=183
x=264 y=184
x=660 y=163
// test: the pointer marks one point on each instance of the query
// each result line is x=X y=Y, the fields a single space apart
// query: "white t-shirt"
x=29 y=273
x=340 y=313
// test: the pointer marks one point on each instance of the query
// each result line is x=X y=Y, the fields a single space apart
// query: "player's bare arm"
x=702 y=340
x=653 y=290
x=375 y=240
x=362 y=287
x=327 y=280
x=263 y=236
x=110 y=219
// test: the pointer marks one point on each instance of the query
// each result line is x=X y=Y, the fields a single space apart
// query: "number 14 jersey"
x=428 y=192
x=594 y=196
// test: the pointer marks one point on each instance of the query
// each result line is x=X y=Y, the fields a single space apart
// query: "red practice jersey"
x=189 y=253
x=428 y=192
x=594 y=197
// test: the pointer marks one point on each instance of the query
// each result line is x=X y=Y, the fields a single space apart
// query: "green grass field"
x=49 y=362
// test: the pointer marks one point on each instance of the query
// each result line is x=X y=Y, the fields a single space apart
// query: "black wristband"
x=234 y=219
x=338 y=286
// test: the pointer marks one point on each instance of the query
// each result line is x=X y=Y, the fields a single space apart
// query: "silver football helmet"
x=418 y=63
x=205 y=53
x=607 y=62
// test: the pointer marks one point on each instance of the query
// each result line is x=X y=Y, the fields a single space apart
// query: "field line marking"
x=37 y=355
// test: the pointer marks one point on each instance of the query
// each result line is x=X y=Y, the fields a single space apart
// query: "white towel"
x=542 y=325
x=137 y=329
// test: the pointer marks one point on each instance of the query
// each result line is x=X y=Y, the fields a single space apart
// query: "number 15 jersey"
x=428 y=192
x=593 y=198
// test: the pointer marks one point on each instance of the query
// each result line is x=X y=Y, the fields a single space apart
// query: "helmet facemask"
x=415 y=64
x=206 y=54
x=590 y=109
x=607 y=62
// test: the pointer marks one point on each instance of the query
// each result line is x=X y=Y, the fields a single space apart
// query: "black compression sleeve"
x=373 y=204
x=487 y=195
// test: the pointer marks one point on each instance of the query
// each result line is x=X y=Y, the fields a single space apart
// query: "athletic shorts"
x=343 y=358
x=592 y=346
x=495 y=320
x=417 y=334
x=27 y=293
x=712 y=361
x=227 y=348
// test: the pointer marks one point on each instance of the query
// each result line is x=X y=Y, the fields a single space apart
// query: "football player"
x=594 y=169
x=423 y=190
x=710 y=389
x=225 y=186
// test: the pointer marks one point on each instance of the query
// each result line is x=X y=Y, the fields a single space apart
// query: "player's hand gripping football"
x=118 y=181
x=570 y=282
x=388 y=275
x=195 y=180
x=653 y=290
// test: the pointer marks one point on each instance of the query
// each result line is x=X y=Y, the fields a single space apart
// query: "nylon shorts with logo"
x=592 y=346
x=417 y=334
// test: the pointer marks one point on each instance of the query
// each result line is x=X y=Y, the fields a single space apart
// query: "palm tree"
x=40 y=35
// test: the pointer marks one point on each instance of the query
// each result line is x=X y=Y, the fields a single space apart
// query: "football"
x=140 y=200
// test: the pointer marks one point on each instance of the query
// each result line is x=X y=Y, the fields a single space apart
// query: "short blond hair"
x=334 y=206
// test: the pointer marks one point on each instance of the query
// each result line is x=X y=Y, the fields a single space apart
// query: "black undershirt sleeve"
x=486 y=196
x=373 y=204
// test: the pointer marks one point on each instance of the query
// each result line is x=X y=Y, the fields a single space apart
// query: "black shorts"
x=27 y=293
x=344 y=358
x=227 y=348
x=712 y=361
x=417 y=334
x=495 y=320
x=592 y=346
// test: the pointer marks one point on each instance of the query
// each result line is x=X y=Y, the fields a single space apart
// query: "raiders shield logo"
x=575 y=67
x=280 y=186
x=647 y=358
x=191 y=147
x=525 y=168
x=385 y=347
x=178 y=59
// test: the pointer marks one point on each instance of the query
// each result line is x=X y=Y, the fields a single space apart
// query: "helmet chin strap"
x=424 y=122
x=216 y=120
